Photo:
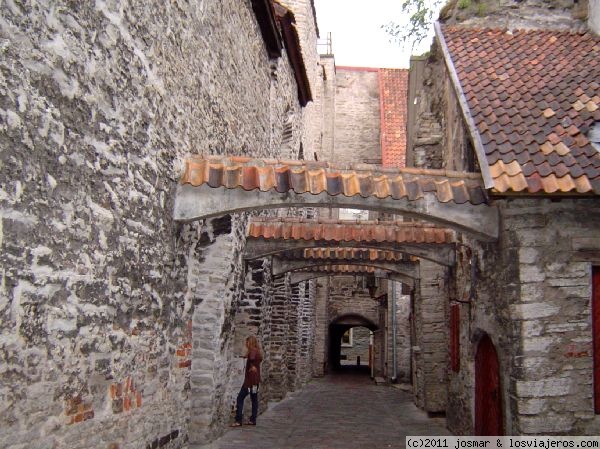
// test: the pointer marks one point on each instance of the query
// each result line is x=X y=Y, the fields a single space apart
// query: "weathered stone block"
x=531 y=311
x=555 y=386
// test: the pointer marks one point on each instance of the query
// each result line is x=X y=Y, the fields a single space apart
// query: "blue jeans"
x=240 y=403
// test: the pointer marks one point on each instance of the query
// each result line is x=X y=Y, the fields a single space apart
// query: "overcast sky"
x=358 y=39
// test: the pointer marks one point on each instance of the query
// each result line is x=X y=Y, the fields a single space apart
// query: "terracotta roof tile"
x=317 y=177
x=393 y=88
x=533 y=96
x=339 y=268
x=350 y=254
x=359 y=231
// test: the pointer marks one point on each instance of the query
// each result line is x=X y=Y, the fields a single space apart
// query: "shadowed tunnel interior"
x=337 y=329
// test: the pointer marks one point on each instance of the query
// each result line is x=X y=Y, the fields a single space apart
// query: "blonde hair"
x=252 y=343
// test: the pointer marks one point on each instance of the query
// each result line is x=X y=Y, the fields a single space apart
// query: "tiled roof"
x=393 y=87
x=341 y=269
x=359 y=231
x=351 y=254
x=318 y=177
x=532 y=96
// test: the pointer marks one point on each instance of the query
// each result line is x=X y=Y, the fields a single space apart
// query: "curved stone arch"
x=441 y=253
x=408 y=269
x=381 y=274
x=354 y=320
x=200 y=202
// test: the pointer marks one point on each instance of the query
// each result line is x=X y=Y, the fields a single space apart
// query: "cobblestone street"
x=345 y=411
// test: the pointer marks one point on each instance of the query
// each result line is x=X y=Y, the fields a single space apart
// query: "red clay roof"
x=338 y=231
x=351 y=254
x=336 y=268
x=317 y=177
x=393 y=87
x=533 y=96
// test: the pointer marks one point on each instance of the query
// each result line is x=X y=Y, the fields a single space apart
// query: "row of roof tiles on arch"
x=317 y=177
x=339 y=231
x=351 y=253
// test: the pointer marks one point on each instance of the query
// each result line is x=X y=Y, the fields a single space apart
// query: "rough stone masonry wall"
x=307 y=30
x=99 y=105
x=552 y=367
x=483 y=283
x=320 y=357
x=324 y=135
x=361 y=337
x=306 y=331
x=348 y=297
x=403 y=338
x=253 y=317
x=357 y=116
x=430 y=350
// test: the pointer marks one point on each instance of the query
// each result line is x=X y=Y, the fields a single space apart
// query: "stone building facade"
x=530 y=293
x=117 y=324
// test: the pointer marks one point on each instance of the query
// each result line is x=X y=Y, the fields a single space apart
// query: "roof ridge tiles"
x=318 y=177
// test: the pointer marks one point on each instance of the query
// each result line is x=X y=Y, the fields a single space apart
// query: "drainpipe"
x=394 y=331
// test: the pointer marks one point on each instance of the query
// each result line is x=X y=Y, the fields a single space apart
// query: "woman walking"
x=251 y=382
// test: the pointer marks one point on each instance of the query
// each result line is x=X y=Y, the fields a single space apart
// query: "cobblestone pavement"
x=344 y=411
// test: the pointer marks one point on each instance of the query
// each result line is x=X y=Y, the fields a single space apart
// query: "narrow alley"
x=339 y=411
x=199 y=202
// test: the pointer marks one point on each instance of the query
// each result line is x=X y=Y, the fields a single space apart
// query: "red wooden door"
x=596 y=335
x=488 y=400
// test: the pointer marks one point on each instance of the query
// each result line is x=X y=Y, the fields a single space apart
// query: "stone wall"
x=306 y=25
x=357 y=115
x=320 y=358
x=115 y=319
x=348 y=297
x=552 y=367
x=324 y=137
x=430 y=341
x=361 y=337
x=527 y=14
x=403 y=337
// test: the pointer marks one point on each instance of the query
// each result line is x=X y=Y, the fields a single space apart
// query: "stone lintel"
x=281 y=266
x=302 y=276
x=442 y=253
x=195 y=203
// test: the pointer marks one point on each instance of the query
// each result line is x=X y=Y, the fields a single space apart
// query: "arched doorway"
x=341 y=328
x=488 y=397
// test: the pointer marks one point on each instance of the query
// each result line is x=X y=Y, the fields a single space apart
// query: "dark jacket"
x=252 y=376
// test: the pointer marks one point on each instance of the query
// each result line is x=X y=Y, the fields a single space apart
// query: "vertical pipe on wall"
x=394 y=332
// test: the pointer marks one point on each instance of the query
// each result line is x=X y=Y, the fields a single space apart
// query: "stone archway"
x=267 y=237
x=213 y=186
x=338 y=327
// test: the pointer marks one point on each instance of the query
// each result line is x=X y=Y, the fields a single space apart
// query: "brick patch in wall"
x=184 y=351
x=164 y=440
x=78 y=410
x=125 y=396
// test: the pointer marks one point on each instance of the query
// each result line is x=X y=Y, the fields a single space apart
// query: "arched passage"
x=216 y=186
x=338 y=327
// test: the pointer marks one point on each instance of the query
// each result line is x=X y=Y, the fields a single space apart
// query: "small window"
x=347 y=338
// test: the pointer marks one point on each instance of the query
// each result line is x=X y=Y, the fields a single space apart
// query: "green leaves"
x=415 y=24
